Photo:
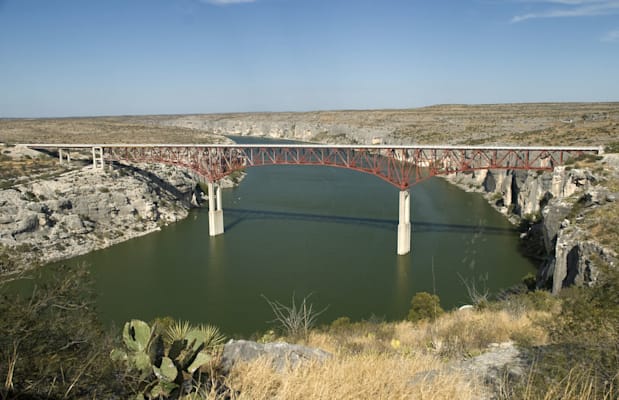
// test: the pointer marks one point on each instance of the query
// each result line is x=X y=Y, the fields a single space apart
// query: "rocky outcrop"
x=500 y=364
x=522 y=194
x=574 y=256
x=314 y=128
x=280 y=354
x=550 y=200
x=82 y=210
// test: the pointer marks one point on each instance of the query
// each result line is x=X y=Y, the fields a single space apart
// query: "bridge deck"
x=400 y=165
x=314 y=146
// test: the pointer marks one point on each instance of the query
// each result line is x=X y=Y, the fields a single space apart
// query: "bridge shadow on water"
x=242 y=214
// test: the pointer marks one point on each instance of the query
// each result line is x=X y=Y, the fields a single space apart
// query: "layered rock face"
x=522 y=194
x=574 y=255
x=551 y=199
x=283 y=126
x=84 y=210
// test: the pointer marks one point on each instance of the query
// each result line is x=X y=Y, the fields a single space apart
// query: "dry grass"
x=454 y=335
x=361 y=376
x=403 y=360
x=603 y=225
x=17 y=170
x=602 y=221
x=398 y=360
x=532 y=124
x=99 y=130
x=578 y=384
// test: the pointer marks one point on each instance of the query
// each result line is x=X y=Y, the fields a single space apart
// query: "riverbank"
x=79 y=211
x=517 y=195
x=66 y=211
x=569 y=215
x=528 y=346
x=574 y=333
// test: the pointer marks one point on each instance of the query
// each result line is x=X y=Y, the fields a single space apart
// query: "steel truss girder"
x=402 y=167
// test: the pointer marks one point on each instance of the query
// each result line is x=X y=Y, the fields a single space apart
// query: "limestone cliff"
x=82 y=210
x=555 y=203
x=314 y=128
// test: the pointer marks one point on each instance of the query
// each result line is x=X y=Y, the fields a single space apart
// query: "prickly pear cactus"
x=166 y=367
x=167 y=371
x=202 y=358
x=195 y=339
x=136 y=335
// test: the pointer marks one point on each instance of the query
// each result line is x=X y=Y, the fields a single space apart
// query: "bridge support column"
x=97 y=159
x=215 y=210
x=62 y=155
x=404 y=225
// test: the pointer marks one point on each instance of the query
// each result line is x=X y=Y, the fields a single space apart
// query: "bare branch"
x=296 y=321
x=476 y=295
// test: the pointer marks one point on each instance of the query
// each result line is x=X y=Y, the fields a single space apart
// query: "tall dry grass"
x=454 y=335
x=360 y=376
x=578 y=384
x=399 y=360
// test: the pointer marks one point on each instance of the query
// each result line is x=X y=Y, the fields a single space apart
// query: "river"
x=304 y=230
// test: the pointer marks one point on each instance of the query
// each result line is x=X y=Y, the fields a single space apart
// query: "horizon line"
x=311 y=111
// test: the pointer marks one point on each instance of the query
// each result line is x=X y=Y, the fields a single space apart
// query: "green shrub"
x=496 y=196
x=530 y=281
x=585 y=157
x=425 y=306
x=340 y=323
x=236 y=176
x=612 y=147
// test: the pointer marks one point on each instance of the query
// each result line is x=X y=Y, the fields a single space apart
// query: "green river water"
x=309 y=230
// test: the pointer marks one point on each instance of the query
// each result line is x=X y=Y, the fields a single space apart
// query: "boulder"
x=26 y=223
x=39 y=208
x=502 y=361
x=281 y=354
x=59 y=205
x=126 y=210
x=73 y=223
x=6 y=219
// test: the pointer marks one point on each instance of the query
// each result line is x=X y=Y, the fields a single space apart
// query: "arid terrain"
x=524 y=124
x=525 y=344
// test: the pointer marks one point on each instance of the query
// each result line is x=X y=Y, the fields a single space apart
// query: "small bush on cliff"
x=612 y=147
x=530 y=281
x=425 y=306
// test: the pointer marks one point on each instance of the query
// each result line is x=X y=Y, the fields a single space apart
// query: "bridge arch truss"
x=402 y=166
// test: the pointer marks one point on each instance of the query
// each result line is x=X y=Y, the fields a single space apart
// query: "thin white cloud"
x=572 y=8
x=612 y=37
x=227 y=2
x=572 y=2
x=562 y=2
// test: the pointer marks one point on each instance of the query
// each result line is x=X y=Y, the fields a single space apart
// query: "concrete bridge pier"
x=215 y=210
x=404 y=225
x=62 y=155
x=97 y=159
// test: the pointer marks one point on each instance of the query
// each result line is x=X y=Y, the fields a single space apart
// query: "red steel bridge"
x=402 y=166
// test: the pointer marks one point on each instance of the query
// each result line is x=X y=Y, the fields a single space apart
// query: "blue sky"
x=119 y=57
